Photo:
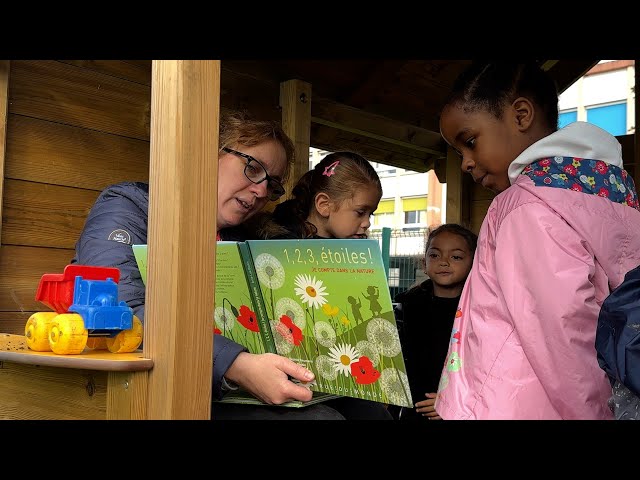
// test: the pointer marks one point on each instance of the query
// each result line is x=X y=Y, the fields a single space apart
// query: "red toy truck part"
x=55 y=290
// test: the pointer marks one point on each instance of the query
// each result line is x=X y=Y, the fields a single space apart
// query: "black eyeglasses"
x=256 y=173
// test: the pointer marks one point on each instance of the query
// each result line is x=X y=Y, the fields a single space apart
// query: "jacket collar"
x=578 y=139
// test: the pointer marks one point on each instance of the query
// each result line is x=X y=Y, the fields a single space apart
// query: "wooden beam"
x=567 y=72
x=457 y=196
x=258 y=93
x=4 y=95
x=363 y=133
x=295 y=101
x=354 y=120
x=372 y=149
x=183 y=179
x=382 y=75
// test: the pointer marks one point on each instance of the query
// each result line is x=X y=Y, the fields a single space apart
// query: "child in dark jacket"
x=426 y=313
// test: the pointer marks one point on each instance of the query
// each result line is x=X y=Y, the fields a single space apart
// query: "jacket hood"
x=578 y=139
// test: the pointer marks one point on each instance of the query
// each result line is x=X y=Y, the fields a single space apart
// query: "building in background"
x=605 y=96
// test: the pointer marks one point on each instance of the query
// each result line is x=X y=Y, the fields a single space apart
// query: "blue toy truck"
x=86 y=313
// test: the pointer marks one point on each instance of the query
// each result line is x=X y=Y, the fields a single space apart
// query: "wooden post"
x=455 y=193
x=4 y=103
x=183 y=175
x=295 y=101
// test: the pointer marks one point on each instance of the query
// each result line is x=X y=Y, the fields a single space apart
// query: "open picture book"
x=324 y=303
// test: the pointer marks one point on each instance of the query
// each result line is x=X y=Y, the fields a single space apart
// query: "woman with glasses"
x=254 y=161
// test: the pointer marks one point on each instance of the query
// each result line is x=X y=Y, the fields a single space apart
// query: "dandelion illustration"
x=384 y=335
x=310 y=290
x=395 y=385
x=289 y=330
x=324 y=366
x=368 y=349
x=324 y=333
x=224 y=319
x=345 y=321
x=284 y=344
x=342 y=356
x=270 y=271
x=292 y=309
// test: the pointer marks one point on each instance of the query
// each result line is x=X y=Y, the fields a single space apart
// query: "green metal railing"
x=402 y=254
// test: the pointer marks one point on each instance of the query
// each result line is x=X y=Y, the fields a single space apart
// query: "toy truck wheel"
x=37 y=331
x=97 y=343
x=127 y=340
x=68 y=335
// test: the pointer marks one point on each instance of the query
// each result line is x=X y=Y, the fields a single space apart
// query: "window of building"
x=565 y=118
x=384 y=214
x=415 y=210
x=612 y=118
x=415 y=216
x=394 y=277
x=383 y=220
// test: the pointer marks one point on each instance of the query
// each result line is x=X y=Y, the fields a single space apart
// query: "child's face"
x=352 y=218
x=448 y=260
x=486 y=144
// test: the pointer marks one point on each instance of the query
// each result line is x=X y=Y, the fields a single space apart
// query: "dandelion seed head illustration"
x=367 y=349
x=395 y=385
x=292 y=309
x=324 y=366
x=384 y=335
x=225 y=320
x=284 y=343
x=270 y=271
x=324 y=333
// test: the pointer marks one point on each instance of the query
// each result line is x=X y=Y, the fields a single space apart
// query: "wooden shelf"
x=13 y=348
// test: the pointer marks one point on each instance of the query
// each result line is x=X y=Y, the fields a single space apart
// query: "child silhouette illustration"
x=356 y=305
x=374 y=304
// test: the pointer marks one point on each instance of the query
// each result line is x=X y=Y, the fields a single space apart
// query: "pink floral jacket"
x=550 y=249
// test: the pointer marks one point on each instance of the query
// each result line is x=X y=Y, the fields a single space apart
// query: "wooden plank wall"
x=73 y=127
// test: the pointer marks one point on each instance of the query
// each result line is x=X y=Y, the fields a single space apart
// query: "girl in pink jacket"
x=559 y=236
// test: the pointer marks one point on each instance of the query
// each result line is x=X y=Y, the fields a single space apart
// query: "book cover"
x=328 y=306
x=234 y=312
x=324 y=304
x=140 y=252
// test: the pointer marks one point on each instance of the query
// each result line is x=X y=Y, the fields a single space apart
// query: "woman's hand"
x=267 y=377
